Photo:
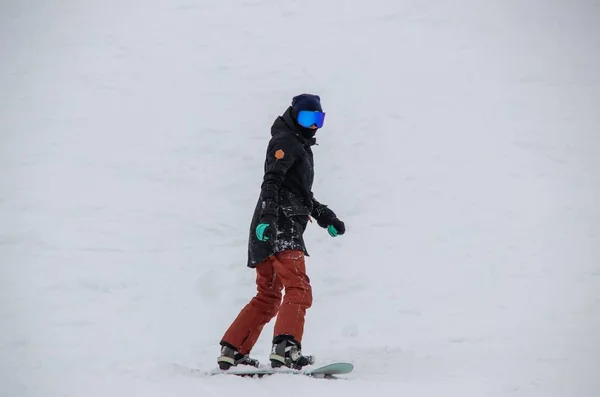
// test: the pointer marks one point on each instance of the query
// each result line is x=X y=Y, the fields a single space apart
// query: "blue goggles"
x=307 y=118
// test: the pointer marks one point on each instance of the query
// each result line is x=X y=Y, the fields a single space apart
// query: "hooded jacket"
x=286 y=190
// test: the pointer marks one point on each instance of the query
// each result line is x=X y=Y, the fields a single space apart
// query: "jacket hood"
x=287 y=122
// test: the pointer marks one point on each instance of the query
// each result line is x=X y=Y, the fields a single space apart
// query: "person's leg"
x=291 y=269
x=243 y=333
x=289 y=327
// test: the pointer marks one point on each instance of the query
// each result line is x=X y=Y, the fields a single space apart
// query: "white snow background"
x=461 y=148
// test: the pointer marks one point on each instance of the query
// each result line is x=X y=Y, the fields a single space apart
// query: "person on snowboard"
x=276 y=246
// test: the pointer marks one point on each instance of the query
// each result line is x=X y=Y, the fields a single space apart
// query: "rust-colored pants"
x=284 y=270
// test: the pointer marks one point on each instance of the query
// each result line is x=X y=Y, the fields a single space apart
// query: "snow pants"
x=286 y=270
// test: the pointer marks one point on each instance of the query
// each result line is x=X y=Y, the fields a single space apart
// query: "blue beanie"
x=306 y=102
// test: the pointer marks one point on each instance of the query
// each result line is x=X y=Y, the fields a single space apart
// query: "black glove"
x=336 y=228
x=266 y=229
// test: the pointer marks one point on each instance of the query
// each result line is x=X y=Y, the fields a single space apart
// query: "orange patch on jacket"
x=279 y=154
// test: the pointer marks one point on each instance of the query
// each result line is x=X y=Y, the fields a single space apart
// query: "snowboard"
x=326 y=372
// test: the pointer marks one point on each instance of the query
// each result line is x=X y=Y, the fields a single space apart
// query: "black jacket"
x=286 y=191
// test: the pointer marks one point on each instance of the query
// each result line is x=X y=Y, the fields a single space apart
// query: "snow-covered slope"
x=461 y=149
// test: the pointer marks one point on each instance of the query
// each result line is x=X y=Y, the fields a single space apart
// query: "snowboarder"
x=276 y=246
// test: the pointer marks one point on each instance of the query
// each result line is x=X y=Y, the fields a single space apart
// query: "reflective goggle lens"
x=307 y=118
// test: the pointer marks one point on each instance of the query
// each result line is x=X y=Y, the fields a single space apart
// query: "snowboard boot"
x=287 y=352
x=230 y=357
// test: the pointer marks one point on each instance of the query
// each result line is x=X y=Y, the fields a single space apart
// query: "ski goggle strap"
x=307 y=118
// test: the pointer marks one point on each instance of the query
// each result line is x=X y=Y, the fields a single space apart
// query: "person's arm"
x=326 y=218
x=281 y=155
